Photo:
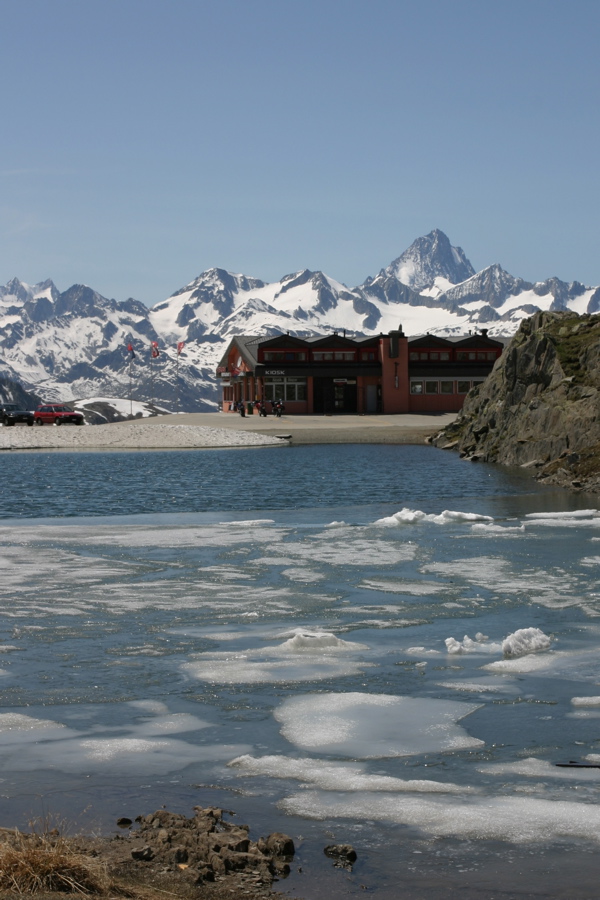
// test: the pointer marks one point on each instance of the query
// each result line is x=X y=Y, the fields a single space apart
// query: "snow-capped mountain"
x=430 y=265
x=73 y=345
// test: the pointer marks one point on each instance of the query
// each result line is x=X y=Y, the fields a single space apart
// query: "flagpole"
x=130 y=387
x=177 y=381
x=151 y=377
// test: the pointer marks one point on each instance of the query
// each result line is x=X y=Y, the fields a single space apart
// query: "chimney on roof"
x=484 y=332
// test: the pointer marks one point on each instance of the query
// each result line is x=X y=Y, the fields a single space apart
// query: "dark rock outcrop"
x=207 y=848
x=540 y=406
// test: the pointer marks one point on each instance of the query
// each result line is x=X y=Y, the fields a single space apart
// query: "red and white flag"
x=155 y=351
x=180 y=347
x=131 y=350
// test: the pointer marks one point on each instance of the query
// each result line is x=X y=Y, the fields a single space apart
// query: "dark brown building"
x=386 y=373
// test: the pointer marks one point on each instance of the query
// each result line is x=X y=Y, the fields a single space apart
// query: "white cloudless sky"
x=144 y=141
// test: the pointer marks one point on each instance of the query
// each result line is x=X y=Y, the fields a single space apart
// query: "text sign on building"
x=274 y=371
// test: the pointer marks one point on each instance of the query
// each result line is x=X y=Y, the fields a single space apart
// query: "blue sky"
x=147 y=140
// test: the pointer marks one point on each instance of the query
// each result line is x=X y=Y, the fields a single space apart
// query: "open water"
x=269 y=631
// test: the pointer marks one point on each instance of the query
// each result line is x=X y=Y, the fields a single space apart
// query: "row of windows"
x=487 y=355
x=271 y=356
x=443 y=387
x=285 y=388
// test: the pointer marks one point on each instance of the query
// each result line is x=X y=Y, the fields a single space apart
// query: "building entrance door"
x=332 y=396
x=371 y=399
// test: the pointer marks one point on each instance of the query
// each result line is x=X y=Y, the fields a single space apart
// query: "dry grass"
x=48 y=862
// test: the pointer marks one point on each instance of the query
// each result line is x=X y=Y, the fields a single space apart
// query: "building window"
x=416 y=387
x=491 y=354
x=283 y=356
x=345 y=356
x=479 y=381
x=482 y=355
x=464 y=387
x=412 y=356
x=431 y=387
x=434 y=356
x=423 y=355
x=445 y=355
x=369 y=355
x=446 y=387
x=285 y=388
x=322 y=356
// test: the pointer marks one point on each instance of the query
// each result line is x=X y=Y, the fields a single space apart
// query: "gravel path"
x=129 y=436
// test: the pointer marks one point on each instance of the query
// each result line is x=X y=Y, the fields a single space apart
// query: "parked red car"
x=57 y=414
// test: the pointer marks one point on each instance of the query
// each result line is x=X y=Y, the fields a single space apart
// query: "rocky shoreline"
x=540 y=406
x=204 y=856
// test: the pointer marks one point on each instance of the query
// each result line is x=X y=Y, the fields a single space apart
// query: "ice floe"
x=417 y=588
x=572 y=519
x=531 y=767
x=306 y=655
x=334 y=776
x=407 y=516
x=373 y=726
x=314 y=641
x=524 y=641
x=468 y=645
x=519 y=643
x=517 y=819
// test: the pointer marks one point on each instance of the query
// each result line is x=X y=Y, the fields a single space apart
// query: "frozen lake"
x=315 y=637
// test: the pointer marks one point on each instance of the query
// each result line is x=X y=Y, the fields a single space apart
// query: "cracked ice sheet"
x=176 y=536
x=167 y=595
x=361 y=552
x=334 y=776
x=577 y=665
x=417 y=588
x=30 y=744
x=514 y=819
x=373 y=726
x=483 y=571
x=22 y=570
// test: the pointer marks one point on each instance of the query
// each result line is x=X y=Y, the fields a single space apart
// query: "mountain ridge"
x=73 y=344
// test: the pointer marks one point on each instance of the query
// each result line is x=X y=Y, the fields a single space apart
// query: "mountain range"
x=72 y=345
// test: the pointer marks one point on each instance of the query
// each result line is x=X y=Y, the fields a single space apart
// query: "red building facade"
x=386 y=373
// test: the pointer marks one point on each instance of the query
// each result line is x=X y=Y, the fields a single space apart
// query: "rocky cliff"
x=540 y=406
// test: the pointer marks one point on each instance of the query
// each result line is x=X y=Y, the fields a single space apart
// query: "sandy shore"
x=218 y=430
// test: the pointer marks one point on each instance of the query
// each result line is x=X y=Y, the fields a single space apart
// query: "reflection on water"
x=306 y=636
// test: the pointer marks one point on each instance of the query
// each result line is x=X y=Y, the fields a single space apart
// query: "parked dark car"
x=11 y=413
x=57 y=414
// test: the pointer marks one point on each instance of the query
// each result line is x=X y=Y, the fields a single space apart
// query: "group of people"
x=277 y=407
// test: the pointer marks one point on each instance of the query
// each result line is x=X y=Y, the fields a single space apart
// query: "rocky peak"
x=16 y=288
x=428 y=258
x=493 y=284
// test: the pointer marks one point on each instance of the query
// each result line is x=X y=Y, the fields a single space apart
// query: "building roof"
x=248 y=345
